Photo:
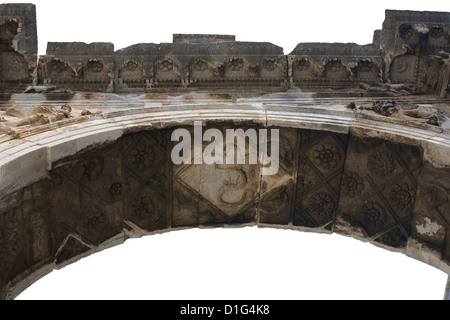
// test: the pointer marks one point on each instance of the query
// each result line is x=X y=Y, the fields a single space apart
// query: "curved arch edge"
x=39 y=158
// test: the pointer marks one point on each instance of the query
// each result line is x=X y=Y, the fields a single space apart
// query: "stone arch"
x=264 y=263
x=70 y=194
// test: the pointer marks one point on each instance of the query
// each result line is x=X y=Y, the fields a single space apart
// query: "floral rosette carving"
x=58 y=65
x=269 y=64
x=95 y=66
x=322 y=204
x=334 y=65
x=302 y=64
x=236 y=64
x=130 y=65
x=381 y=164
x=406 y=31
x=165 y=65
x=200 y=65
x=374 y=214
x=352 y=184
x=326 y=157
x=436 y=31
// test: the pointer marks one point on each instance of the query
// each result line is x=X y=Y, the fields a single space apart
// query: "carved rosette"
x=335 y=69
x=235 y=64
x=381 y=164
x=302 y=64
x=116 y=191
x=97 y=70
x=302 y=68
x=270 y=64
x=403 y=196
x=352 y=184
x=201 y=69
x=167 y=69
x=13 y=66
x=326 y=156
x=438 y=36
x=142 y=156
x=322 y=205
x=58 y=65
x=200 y=65
x=130 y=66
x=90 y=170
x=367 y=69
x=436 y=31
x=144 y=208
x=405 y=31
x=165 y=65
x=95 y=65
x=373 y=214
x=254 y=70
x=94 y=221
x=334 y=65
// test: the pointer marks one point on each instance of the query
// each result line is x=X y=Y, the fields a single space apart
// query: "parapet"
x=334 y=65
x=412 y=49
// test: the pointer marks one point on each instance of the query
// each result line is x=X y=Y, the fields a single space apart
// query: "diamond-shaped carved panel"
x=228 y=189
x=98 y=221
x=142 y=153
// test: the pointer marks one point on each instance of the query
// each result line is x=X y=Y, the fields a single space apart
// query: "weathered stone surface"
x=408 y=38
x=431 y=213
x=363 y=151
x=372 y=189
x=79 y=66
x=436 y=75
x=334 y=65
x=200 y=61
x=378 y=190
x=180 y=37
x=278 y=191
x=402 y=53
x=18 y=45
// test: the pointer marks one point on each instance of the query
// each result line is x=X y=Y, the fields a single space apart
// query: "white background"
x=245 y=263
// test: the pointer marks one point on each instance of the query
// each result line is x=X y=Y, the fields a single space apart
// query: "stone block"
x=22 y=168
x=200 y=61
x=18 y=46
x=407 y=37
x=78 y=66
x=334 y=65
x=321 y=159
